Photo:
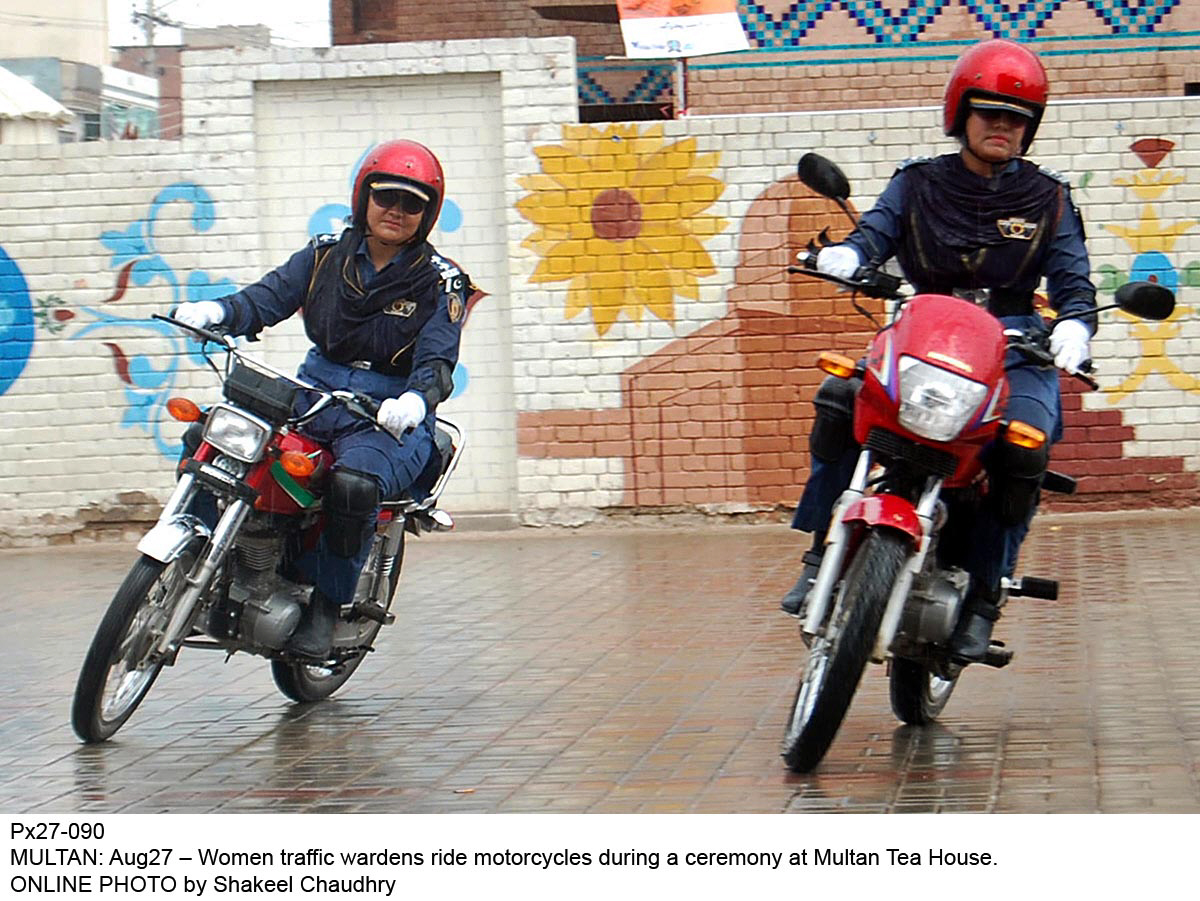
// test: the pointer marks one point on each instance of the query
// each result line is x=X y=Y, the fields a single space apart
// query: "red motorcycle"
x=226 y=587
x=933 y=388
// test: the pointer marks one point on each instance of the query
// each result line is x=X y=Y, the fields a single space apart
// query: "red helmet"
x=998 y=70
x=409 y=164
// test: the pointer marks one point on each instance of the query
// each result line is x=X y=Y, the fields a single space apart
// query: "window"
x=372 y=15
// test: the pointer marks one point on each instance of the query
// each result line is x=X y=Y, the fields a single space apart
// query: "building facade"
x=824 y=54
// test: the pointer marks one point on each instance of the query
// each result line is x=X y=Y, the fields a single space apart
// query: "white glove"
x=200 y=313
x=1069 y=344
x=840 y=260
x=398 y=414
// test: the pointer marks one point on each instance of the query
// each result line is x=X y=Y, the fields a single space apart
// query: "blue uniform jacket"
x=1067 y=271
x=282 y=291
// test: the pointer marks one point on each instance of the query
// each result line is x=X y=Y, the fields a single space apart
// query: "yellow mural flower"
x=619 y=214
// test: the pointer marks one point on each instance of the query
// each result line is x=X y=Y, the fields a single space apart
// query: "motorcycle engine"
x=270 y=605
x=269 y=622
x=933 y=604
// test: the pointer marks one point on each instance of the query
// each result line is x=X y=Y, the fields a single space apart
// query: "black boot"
x=972 y=635
x=793 y=603
x=314 y=635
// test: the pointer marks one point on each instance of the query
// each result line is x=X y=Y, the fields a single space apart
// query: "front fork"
x=171 y=535
x=835 y=547
x=837 y=544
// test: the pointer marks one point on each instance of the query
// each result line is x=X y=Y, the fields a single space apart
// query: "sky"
x=293 y=23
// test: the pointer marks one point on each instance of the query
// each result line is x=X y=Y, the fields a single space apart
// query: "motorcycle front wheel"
x=306 y=683
x=119 y=668
x=838 y=657
x=918 y=694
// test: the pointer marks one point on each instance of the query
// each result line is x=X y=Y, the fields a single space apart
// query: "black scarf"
x=346 y=319
x=952 y=237
x=961 y=208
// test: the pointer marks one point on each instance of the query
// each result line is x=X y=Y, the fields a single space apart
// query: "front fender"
x=886 y=511
x=170 y=536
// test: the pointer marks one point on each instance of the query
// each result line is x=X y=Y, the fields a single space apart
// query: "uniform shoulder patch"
x=323 y=240
x=454 y=283
x=914 y=161
x=448 y=268
x=1055 y=174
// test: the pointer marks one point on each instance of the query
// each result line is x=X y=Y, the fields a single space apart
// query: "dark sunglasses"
x=409 y=203
x=1000 y=115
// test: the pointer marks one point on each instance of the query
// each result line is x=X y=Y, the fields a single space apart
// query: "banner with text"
x=654 y=29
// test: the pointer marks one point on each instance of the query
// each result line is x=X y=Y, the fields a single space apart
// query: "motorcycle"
x=225 y=582
x=889 y=588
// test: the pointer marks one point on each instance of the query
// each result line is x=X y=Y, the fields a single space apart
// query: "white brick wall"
x=272 y=135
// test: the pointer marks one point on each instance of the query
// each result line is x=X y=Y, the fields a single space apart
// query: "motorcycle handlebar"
x=362 y=406
x=1035 y=348
x=217 y=334
x=866 y=279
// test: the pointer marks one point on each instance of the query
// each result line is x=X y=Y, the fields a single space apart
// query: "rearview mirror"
x=824 y=177
x=1146 y=300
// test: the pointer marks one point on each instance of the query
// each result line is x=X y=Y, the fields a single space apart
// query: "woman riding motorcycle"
x=384 y=312
x=986 y=225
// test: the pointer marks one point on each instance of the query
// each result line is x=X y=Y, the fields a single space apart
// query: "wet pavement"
x=627 y=671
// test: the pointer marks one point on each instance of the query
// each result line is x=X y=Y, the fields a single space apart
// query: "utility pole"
x=148 y=20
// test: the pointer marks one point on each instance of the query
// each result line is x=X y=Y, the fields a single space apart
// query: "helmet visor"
x=385 y=184
x=992 y=104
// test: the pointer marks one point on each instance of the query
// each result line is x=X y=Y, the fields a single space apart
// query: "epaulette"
x=452 y=276
x=914 y=161
x=1056 y=175
x=322 y=240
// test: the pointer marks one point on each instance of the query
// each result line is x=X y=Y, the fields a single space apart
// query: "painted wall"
x=640 y=346
x=699 y=348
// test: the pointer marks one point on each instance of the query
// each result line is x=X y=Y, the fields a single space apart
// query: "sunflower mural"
x=620 y=215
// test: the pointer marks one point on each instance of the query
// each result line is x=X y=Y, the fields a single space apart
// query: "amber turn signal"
x=1022 y=434
x=296 y=464
x=836 y=364
x=183 y=409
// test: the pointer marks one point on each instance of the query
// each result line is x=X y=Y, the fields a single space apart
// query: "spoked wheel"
x=120 y=667
x=919 y=693
x=305 y=683
x=837 y=658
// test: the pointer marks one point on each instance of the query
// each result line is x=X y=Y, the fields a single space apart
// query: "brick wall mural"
x=642 y=347
x=717 y=417
x=16 y=321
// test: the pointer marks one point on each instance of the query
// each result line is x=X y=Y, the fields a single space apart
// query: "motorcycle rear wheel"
x=304 y=683
x=119 y=668
x=838 y=657
x=918 y=694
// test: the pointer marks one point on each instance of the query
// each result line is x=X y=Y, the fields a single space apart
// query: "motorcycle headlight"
x=237 y=434
x=934 y=403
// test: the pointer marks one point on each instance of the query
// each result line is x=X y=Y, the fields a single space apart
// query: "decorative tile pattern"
x=896 y=22
x=1128 y=17
x=604 y=84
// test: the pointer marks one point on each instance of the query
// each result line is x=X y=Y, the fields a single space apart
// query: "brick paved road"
x=627 y=671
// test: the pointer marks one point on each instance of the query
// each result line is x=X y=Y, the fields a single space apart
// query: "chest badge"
x=403 y=308
x=1018 y=229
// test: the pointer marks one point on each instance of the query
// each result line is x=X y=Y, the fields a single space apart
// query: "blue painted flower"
x=1154 y=266
x=16 y=322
